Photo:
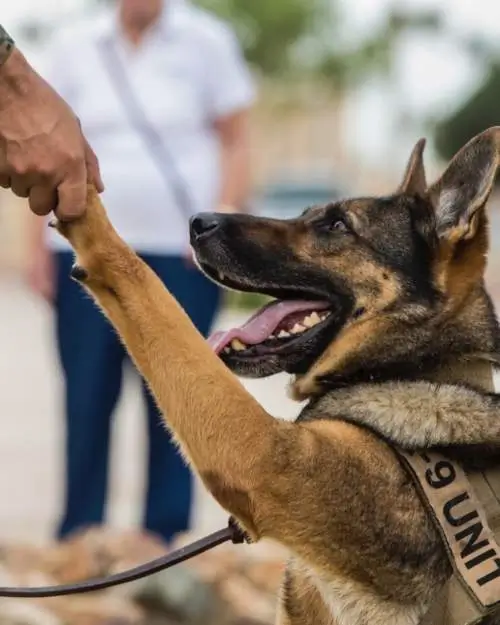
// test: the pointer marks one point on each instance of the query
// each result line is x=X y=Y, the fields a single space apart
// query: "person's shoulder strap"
x=138 y=119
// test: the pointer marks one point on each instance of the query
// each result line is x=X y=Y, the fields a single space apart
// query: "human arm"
x=231 y=94
x=39 y=270
x=234 y=139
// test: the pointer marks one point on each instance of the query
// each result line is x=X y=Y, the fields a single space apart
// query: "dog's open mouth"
x=278 y=326
x=286 y=335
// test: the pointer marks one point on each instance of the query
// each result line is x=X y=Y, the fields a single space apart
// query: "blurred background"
x=345 y=89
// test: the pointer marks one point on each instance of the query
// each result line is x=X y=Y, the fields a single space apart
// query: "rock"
x=246 y=601
x=181 y=593
x=102 y=551
x=217 y=564
x=22 y=612
x=95 y=609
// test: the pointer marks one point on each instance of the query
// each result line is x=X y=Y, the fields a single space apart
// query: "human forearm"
x=6 y=45
x=15 y=71
x=16 y=75
x=36 y=232
x=235 y=163
x=235 y=176
x=39 y=267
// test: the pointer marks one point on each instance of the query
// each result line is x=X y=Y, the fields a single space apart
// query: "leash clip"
x=238 y=536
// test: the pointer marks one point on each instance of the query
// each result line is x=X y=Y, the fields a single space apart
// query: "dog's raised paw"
x=78 y=273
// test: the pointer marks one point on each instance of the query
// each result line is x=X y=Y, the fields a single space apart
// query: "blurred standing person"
x=163 y=95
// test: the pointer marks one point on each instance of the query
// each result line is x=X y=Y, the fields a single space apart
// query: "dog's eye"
x=338 y=225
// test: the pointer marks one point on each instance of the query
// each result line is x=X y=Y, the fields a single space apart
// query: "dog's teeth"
x=227 y=350
x=311 y=320
x=297 y=329
x=237 y=345
x=221 y=275
x=283 y=334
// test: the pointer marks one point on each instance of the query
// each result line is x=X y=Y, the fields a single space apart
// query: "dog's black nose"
x=203 y=225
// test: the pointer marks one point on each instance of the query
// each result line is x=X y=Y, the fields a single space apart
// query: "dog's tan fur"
x=327 y=487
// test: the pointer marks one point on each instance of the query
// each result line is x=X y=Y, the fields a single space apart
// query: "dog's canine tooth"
x=283 y=334
x=221 y=275
x=297 y=329
x=308 y=322
x=237 y=345
x=227 y=350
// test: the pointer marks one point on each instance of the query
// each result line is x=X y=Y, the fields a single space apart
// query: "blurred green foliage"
x=245 y=301
x=286 y=38
x=480 y=111
x=269 y=29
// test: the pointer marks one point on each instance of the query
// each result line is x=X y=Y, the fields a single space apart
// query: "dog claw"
x=53 y=223
x=78 y=273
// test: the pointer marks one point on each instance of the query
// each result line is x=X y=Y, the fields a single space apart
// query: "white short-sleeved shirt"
x=187 y=73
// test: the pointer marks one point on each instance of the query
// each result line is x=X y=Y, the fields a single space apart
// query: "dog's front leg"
x=227 y=436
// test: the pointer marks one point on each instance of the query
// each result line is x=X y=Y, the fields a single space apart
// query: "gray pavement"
x=31 y=428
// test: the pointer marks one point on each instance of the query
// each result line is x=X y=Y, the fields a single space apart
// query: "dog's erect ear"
x=414 y=179
x=462 y=191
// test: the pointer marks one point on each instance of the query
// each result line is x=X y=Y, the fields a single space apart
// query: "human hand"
x=43 y=153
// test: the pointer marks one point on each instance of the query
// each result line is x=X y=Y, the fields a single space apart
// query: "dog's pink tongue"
x=260 y=327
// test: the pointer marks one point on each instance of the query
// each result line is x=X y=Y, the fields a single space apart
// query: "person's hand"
x=40 y=273
x=43 y=153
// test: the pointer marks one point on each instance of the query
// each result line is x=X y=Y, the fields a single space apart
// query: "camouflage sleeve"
x=6 y=45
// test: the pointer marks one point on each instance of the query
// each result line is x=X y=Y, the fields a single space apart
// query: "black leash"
x=231 y=533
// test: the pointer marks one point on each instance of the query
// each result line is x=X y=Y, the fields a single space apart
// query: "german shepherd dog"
x=375 y=297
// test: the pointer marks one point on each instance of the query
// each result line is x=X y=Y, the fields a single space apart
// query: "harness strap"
x=456 y=603
x=462 y=523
